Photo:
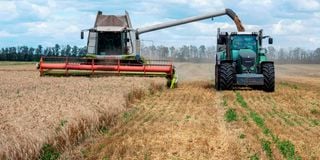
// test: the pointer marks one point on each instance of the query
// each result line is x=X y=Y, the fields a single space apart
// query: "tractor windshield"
x=244 y=42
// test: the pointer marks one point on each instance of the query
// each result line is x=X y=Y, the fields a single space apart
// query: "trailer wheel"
x=268 y=74
x=216 y=78
x=226 y=76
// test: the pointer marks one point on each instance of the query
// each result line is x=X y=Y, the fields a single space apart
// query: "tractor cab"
x=244 y=49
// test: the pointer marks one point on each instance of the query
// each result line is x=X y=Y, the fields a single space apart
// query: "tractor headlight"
x=244 y=67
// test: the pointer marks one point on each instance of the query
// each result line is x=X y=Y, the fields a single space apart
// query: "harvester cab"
x=111 y=36
x=241 y=61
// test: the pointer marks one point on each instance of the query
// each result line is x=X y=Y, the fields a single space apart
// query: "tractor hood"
x=247 y=60
x=247 y=53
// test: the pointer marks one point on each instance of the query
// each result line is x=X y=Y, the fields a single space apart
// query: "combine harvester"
x=113 y=48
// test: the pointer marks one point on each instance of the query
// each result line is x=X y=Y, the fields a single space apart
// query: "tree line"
x=185 y=53
x=25 y=53
x=294 y=55
x=181 y=54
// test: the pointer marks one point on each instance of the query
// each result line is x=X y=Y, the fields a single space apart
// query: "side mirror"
x=270 y=41
x=128 y=40
x=82 y=34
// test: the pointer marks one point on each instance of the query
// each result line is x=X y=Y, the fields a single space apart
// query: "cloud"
x=5 y=34
x=305 y=5
x=41 y=11
x=8 y=10
x=265 y=3
x=49 y=21
x=284 y=27
x=200 y=5
x=51 y=29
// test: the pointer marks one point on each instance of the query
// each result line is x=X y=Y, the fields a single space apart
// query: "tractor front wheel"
x=268 y=74
x=226 y=76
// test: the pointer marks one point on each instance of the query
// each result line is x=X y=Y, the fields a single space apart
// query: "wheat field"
x=191 y=122
x=61 y=111
x=135 y=118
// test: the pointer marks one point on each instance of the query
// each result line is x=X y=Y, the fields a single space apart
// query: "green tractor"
x=241 y=61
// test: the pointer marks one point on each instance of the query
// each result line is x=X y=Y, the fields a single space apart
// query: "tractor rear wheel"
x=216 y=78
x=268 y=74
x=226 y=76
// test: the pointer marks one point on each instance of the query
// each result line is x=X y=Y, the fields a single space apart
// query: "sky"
x=292 y=23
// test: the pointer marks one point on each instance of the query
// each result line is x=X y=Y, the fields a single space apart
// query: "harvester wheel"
x=216 y=78
x=172 y=83
x=168 y=83
x=268 y=74
x=226 y=75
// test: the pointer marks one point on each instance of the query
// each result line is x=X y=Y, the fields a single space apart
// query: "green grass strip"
x=286 y=147
x=266 y=148
x=231 y=115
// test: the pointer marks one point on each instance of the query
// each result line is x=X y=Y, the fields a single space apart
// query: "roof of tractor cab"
x=244 y=33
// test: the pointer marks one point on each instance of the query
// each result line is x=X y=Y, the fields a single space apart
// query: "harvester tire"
x=268 y=74
x=168 y=83
x=216 y=78
x=226 y=76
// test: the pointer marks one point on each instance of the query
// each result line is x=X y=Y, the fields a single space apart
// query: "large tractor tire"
x=216 y=78
x=268 y=74
x=226 y=76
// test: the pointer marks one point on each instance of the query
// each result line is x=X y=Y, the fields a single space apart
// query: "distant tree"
x=63 y=52
x=31 y=55
x=184 y=53
x=202 y=51
x=39 y=50
x=12 y=54
x=56 y=50
x=281 y=56
x=163 y=51
x=271 y=53
x=48 y=51
x=75 y=51
x=68 y=50
x=172 y=52
x=296 y=55
x=22 y=53
x=317 y=56
x=153 y=51
x=304 y=56
x=193 y=52
x=211 y=53
x=82 y=51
